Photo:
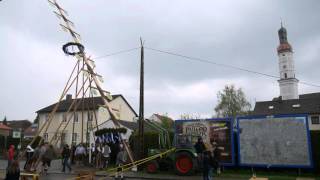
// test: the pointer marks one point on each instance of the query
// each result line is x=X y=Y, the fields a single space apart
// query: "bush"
x=151 y=141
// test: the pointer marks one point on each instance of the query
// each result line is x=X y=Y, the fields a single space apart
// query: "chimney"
x=68 y=97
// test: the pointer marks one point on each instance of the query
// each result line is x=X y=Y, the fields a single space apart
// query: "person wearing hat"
x=29 y=154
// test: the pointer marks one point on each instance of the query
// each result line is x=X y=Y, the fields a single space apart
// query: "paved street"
x=55 y=173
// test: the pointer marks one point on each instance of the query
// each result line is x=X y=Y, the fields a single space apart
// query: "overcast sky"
x=242 y=33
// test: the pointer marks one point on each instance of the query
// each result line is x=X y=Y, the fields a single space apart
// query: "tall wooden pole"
x=76 y=37
x=141 y=104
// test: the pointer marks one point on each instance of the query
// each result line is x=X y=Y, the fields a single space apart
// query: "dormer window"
x=296 y=105
x=271 y=107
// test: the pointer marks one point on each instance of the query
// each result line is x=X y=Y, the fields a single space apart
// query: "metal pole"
x=141 y=105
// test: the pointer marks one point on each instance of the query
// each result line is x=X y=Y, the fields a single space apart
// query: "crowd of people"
x=208 y=158
x=76 y=155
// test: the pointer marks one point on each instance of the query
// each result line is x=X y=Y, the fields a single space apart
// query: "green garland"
x=110 y=130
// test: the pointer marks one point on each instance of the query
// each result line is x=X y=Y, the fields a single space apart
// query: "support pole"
x=82 y=101
x=141 y=104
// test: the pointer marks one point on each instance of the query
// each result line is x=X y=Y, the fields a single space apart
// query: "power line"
x=189 y=58
x=116 y=53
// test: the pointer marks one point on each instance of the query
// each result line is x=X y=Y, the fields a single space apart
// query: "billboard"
x=274 y=141
x=212 y=131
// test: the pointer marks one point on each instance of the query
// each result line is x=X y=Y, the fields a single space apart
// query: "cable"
x=116 y=53
x=223 y=65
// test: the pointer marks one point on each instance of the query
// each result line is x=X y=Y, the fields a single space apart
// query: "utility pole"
x=141 y=104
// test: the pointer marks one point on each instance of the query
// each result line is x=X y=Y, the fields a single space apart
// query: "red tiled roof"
x=2 y=126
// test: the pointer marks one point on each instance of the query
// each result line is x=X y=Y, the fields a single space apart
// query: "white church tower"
x=287 y=82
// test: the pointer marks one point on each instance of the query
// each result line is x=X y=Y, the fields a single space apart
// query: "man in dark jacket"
x=199 y=147
x=120 y=161
x=66 y=155
x=207 y=165
x=216 y=158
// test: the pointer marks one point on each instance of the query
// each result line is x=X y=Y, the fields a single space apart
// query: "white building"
x=287 y=82
x=290 y=102
x=78 y=124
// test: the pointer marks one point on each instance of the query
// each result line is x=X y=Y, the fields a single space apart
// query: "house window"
x=55 y=137
x=45 y=137
x=47 y=117
x=315 y=120
x=63 y=138
x=90 y=125
x=90 y=115
x=75 y=118
x=87 y=137
x=64 y=117
x=296 y=105
x=74 y=138
x=285 y=75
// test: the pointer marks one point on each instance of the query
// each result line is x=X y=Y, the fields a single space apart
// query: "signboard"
x=277 y=141
x=212 y=131
x=16 y=134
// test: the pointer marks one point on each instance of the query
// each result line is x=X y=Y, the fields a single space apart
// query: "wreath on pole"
x=73 y=48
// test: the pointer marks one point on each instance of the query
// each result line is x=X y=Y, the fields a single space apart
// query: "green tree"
x=166 y=122
x=232 y=102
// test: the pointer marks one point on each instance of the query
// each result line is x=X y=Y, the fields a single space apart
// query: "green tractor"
x=182 y=158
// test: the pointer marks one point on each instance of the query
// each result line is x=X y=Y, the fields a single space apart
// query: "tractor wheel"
x=184 y=163
x=152 y=166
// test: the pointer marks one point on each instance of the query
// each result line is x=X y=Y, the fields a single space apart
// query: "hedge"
x=151 y=141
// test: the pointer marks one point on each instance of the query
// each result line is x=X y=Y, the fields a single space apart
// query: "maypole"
x=81 y=56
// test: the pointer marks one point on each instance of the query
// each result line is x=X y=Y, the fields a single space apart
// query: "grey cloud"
x=240 y=33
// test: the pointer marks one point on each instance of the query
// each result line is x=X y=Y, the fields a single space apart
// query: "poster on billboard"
x=213 y=132
x=274 y=141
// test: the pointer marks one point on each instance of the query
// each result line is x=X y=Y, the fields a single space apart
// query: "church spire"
x=284 y=44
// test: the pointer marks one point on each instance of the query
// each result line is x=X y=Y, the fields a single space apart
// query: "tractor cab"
x=183 y=141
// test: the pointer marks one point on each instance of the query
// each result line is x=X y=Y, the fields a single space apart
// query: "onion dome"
x=284 y=44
